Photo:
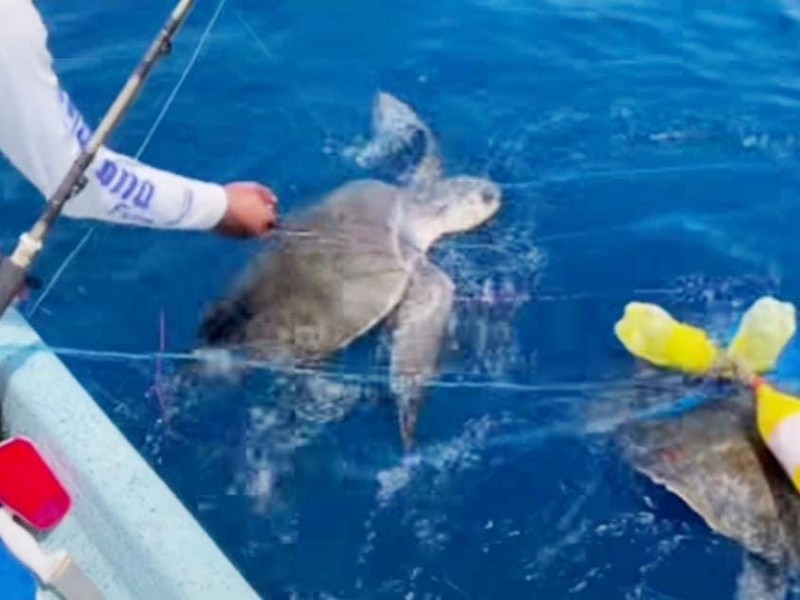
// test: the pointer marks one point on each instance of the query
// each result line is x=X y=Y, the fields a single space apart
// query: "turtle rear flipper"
x=224 y=322
x=761 y=580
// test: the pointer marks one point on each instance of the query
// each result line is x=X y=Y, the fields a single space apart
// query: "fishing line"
x=164 y=109
x=588 y=175
x=258 y=365
x=534 y=435
x=299 y=96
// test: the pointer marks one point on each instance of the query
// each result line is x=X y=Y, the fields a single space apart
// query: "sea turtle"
x=359 y=258
x=713 y=459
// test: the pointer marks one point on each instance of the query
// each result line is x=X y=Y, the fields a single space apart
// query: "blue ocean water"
x=18 y=582
x=646 y=150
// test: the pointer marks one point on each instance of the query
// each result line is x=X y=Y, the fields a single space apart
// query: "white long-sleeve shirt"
x=42 y=133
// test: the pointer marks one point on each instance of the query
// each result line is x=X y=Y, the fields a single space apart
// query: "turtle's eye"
x=488 y=196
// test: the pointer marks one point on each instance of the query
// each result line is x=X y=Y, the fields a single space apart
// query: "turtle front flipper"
x=398 y=130
x=420 y=323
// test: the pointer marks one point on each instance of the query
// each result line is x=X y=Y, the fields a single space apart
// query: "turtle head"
x=461 y=203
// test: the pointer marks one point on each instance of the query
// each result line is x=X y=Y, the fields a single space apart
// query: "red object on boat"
x=28 y=487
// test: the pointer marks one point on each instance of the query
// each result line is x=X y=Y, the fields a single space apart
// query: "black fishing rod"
x=13 y=270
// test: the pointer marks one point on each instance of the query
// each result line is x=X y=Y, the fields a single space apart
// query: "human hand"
x=251 y=210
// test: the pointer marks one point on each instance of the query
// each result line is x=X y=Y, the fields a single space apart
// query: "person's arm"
x=42 y=132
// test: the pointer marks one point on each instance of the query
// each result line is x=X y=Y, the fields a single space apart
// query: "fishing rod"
x=13 y=270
